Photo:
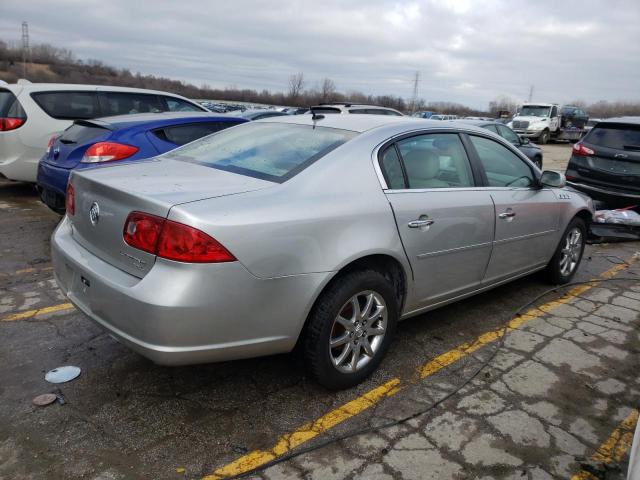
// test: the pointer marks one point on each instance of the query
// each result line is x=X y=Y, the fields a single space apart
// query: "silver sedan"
x=316 y=231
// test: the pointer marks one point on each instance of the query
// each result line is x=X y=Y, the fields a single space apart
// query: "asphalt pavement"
x=477 y=389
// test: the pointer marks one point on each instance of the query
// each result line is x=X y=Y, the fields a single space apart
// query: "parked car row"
x=30 y=114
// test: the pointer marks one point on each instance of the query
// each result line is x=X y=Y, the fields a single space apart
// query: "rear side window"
x=615 y=135
x=392 y=168
x=509 y=135
x=270 y=151
x=183 y=134
x=503 y=167
x=68 y=105
x=10 y=106
x=178 y=105
x=436 y=161
x=124 y=103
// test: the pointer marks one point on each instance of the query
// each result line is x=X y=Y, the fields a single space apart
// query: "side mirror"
x=549 y=178
x=525 y=141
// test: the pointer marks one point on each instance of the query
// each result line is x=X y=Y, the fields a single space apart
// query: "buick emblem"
x=94 y=213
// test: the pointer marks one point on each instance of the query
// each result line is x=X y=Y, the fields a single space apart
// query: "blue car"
x=87 y=143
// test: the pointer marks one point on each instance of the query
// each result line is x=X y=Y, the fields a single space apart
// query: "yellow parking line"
x=36 y=312
x=306 y=432
x=615 y=447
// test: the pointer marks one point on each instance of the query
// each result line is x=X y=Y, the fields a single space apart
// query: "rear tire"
x=566 y=260
x=350 y=328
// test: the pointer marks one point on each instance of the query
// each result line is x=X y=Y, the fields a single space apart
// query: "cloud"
x=469 y=52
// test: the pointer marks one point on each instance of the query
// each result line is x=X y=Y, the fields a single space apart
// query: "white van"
x=31 y=113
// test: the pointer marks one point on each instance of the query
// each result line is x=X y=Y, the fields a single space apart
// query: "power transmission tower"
x=25 y=48
x=531 y=93
x=414 y=97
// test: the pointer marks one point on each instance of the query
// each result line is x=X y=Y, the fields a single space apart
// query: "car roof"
x=52 y=87
x=155 y=120
x=479 y=123
x=631 y=120
x=363 y=123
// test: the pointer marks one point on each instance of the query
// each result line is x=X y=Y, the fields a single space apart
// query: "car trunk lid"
x=104 y=197
x=71 y=145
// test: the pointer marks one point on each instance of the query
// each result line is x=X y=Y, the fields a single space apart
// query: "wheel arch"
x=385 y=263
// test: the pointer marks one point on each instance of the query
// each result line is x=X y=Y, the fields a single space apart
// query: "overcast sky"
x=466 y=51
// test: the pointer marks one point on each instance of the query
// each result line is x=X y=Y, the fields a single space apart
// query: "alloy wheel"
x=358 y=331
x=570 y=254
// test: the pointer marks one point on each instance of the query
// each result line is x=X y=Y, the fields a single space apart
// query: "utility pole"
x=531 y=93
x=414 y=97
x=25 y=48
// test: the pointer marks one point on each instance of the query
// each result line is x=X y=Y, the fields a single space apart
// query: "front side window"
x=68 y=105
x=435 y=161
x=270 y=151
x=503 y=167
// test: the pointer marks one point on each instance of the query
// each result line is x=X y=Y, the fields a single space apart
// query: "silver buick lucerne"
x=316 y=231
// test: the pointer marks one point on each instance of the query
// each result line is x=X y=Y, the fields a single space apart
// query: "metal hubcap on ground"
x=358 y=331
x=570 y=254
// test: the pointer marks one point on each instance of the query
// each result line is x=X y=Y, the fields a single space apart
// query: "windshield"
x=534 y=111
x=269 y=151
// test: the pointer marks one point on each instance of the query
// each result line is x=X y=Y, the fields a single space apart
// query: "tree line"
x=46 y=63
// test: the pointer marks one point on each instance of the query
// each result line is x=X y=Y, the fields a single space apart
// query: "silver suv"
x=354 y=108
x=31 y=113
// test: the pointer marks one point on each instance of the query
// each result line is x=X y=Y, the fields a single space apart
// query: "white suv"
x=31 y=113
x=354 y=108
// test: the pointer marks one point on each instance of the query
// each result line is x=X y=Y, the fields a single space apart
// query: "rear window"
x=183 y=134
x=615 y=135
x=269 y=151
x=68 y=105
x=325 y=110
x=81 y=133
x=10 y=106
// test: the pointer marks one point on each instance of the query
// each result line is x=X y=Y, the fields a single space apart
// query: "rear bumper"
x=612 y=197
x=52 y=184
x=181 y=314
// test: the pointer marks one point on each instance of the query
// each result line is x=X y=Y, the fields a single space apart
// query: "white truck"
x=546 y=121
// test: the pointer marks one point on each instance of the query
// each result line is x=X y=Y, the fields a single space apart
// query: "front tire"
x=350 y=329
x=544 y=137
x=566 y=259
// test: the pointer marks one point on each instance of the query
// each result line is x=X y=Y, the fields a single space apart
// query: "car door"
x=527 y=216
x=445 y=220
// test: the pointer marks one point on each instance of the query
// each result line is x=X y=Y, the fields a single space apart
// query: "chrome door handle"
x=507 y=215
x=420 y=223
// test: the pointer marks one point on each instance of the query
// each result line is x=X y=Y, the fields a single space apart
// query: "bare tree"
x=327 y=90
x=296 y=85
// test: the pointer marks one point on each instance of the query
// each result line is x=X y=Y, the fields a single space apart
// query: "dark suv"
x=605 y=164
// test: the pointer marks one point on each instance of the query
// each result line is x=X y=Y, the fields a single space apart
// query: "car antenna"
x=315 y=117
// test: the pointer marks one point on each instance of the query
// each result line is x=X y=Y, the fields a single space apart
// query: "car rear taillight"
x=142 y=230
x=108 y=152
x=173 y=240
x=581 y=150
x=52 y=140
x=11 y=123
x=70 y=200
